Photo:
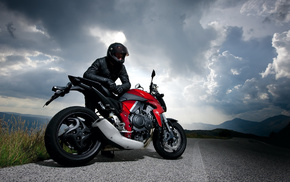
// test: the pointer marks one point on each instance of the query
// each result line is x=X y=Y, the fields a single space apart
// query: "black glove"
x=111 y=85
x=119 y=89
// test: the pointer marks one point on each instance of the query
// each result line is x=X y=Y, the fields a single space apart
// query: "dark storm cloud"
x=240 y=85
x=32 y=84
x=241 y=60
x=279 y=91
x=172 y=28
x=258 y=53
x=12 y=60
x=224 y=4
x=18 y=79
x=11 y=29
x=63 y=20
x=175 y=29
x=41 y=42
x=64 y=41
x=280 y=12
x=154 y=23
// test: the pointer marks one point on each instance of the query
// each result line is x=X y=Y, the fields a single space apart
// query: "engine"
x=141 y=120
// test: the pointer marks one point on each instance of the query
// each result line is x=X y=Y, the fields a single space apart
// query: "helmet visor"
x=119 y=56
x=121 y=50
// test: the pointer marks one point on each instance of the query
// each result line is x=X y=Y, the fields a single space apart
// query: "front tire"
x=69 y=136
x=170 y=149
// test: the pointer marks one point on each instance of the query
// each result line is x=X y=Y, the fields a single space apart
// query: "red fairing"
x=143 y=94
x=127 y=105
x=150 y=99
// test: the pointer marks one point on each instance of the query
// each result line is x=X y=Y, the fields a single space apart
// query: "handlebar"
x=59 y=92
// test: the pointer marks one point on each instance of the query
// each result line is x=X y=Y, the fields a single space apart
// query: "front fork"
x=167 y=131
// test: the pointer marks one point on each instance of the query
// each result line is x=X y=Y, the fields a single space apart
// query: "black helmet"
x=117 y=53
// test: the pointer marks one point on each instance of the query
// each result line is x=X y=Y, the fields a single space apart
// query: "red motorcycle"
x=75 y=135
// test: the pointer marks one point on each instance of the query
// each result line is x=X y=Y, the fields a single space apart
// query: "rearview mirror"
x=153 y=74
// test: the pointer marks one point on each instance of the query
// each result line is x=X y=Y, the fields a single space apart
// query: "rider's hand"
x=111 y=85
x=119 y=89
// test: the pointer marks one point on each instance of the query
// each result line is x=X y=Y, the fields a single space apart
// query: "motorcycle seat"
x=94 y=84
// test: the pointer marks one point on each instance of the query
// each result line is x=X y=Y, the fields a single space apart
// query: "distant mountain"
x=201 y=126
x=275 y=124
x=221 y=134
x=282 y=137
x=240 y=125
x=263 y=128
x=30 y=120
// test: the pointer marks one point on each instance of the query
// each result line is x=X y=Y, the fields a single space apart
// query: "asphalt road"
x=203 y=160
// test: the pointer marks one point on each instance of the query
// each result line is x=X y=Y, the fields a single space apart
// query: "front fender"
x=172 y=120
x=160 y=117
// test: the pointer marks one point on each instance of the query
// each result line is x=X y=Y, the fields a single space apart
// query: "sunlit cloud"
x=281 y=64
x=107 y=37
x=58 y=69
x=14 y=60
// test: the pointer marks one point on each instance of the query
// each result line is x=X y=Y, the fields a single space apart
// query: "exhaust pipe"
x=112 y=134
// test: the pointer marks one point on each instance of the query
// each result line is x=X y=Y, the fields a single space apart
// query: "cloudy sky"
x=215 y=59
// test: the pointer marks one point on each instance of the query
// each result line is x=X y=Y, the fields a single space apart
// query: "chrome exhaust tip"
x=112 y=134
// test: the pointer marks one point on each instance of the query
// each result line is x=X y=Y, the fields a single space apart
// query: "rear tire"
x=69 y=136
x=170 y=149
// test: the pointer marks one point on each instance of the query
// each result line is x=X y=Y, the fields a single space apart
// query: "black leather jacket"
x=101 y=71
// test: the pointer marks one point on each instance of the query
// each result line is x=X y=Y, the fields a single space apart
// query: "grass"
x=20 y=145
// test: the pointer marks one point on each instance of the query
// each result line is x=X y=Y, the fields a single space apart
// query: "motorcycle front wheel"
x=170 y=148
x=69 y=136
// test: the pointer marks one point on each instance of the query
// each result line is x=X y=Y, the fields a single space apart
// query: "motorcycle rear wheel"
x=170 y=149
x=69 y=136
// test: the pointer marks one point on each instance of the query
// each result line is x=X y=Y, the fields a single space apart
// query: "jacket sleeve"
x=93 y=73
x=126 y=85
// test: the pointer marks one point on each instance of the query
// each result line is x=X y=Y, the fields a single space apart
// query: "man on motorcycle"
x=107 y=70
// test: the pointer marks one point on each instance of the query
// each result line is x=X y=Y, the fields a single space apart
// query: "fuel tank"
x=138 y=95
